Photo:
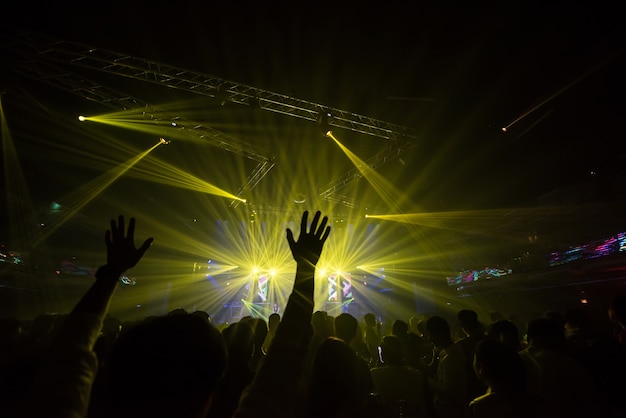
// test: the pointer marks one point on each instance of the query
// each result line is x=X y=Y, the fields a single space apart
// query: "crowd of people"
x=305 y=363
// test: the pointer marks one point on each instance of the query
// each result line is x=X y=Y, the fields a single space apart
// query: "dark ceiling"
x=454 y=73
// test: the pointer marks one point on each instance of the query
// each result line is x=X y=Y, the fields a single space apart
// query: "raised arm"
x=306 y=252
x=63 y=385
x=121 y=256
x=275 y=390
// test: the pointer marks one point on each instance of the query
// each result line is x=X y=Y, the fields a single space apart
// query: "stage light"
x=299 y=198
x=82 y=118
x=163 y=141
x=323 y=122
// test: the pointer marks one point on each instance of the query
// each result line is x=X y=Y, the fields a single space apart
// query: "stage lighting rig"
x=323 y=122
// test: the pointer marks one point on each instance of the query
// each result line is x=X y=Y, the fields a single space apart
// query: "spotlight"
x=323 y=123
x=163 y=141
x=299 y=198
x=81 y=118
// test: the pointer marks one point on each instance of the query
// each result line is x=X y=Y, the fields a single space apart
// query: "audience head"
x=391 y=349
x=166 y=366
x=319 y=321
x=346 y=327
x=370 y=319
x=545 y=333
x=468 y=320
x=498 y=366
x=202 y=314
x=576 y=321
x=506 y=332
x=177 y=311
x=399 y=328
x=239 y=340
x=438 y=331
x=333 y=386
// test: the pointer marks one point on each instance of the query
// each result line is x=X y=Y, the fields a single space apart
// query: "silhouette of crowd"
x=304 y=363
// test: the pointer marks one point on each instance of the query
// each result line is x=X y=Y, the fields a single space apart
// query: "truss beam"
x=203 y=84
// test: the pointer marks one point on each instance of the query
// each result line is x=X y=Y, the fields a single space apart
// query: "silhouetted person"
x=260 y=333
x=333 y=389
x=501 y=369
x=346 y=328
x=239 y=339
x=272 y=324
x=276 y=390
x=371 y=336
x=449 y=384
x=565 y=383
x=64 y=381
x=400 y=387
x=171 y=365
x=474 y=332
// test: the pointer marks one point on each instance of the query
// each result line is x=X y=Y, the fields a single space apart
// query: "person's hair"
x=437 y=325
x=319 y=321
x=239 y=339
x=179 y=358
x=506 y=332
x=370 y=319
x=346 y=326
x=545 y=333
x=467 y=318
x=333 y=384
x=399 y=328
x=391 y=350
x=498 y=364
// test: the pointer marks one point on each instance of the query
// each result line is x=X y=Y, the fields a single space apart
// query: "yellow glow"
x=90 y=191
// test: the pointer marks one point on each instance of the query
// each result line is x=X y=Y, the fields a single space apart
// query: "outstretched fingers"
x=322 y=229
x=131 y=229
x=316 y=219
x=303 y=222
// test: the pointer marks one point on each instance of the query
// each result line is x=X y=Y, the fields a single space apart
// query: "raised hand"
x=121 y=251
x=308 y=248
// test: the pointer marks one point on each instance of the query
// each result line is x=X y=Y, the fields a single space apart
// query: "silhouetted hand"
x=308 y=248
x=121 y=252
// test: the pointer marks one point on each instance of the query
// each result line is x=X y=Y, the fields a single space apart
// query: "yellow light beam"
x=91 y=190
x=387 y=191
x=559 y=92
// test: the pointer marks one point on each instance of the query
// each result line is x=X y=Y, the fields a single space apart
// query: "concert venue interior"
x=465 y=158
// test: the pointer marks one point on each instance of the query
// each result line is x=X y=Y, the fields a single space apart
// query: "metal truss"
x=38 y=51
x=253 y=179
x=203 y=84
x=391 y=152
x=95 y=92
